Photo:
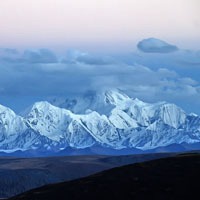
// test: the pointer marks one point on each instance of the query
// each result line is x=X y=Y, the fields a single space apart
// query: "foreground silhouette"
x=169 y=178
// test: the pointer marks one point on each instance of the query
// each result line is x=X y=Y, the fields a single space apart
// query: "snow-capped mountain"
x=90 y=100
x=108 y=119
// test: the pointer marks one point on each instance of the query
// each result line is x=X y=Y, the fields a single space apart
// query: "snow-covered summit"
x=108 y=118
x=48 y=120
x=115 y=97
x=10 y=123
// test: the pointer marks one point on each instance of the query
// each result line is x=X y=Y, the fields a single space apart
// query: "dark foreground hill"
x=18 y=175
x=176 y=177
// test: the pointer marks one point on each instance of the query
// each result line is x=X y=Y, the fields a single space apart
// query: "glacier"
x=109 y=119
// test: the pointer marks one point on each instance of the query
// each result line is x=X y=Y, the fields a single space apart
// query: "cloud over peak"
x=153 y=45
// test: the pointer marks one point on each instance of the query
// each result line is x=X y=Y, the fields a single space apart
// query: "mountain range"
x=107 y=119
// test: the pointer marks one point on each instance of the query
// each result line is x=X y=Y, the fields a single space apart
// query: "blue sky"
x=64 y=48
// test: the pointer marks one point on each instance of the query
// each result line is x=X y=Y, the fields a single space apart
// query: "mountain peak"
x=42 y=104
x=5 y=109
x=10 y=123
x=115 y=97
x=108 y=118
x=139 y=102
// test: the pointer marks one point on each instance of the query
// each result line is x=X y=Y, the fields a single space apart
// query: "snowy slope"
x=118 y=122
x=16 y=134
x=49 y=120
x=11 y=126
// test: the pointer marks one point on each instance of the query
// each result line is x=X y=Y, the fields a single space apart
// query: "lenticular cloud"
x=153 y=45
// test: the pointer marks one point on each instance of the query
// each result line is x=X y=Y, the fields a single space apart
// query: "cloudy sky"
x=64 y=48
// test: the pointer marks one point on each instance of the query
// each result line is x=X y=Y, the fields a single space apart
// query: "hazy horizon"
x=89 y=23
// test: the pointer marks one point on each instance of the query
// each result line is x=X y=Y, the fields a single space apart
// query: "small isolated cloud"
x=12 y=56
x=40 y=56
x=9 y=55
x=75 y=56
x=153 y=45
x=8 y=51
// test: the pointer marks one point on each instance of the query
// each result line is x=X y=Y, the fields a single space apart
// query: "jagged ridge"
x=122 y=122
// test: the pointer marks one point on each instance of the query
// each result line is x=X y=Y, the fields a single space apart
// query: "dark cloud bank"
x=43 y=73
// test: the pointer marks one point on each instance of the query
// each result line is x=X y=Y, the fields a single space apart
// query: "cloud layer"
x=43 y=73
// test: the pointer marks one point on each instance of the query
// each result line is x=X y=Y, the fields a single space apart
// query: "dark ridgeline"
x=164 y=179
x=18 y=175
